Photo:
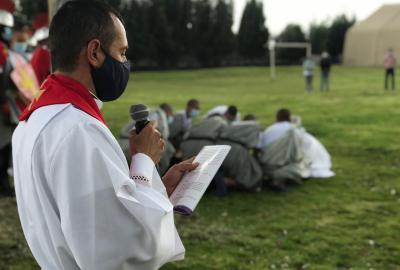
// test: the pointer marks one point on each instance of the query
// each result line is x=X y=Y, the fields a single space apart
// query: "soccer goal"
x=272 y=45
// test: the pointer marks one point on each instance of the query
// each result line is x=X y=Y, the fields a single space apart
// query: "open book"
x=193 y=184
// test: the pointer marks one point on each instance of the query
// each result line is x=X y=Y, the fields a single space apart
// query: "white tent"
x=367 y=42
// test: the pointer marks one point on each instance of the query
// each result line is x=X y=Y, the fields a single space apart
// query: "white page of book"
x=193 y=184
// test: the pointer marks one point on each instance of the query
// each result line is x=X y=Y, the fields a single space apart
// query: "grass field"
x=351 y=221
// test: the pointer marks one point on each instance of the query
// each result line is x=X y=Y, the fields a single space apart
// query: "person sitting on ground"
x=182 y=121
x=164 y=116
x=221 y=110
x=282 y=157
x=201 y=134
x=240 y=165
x=160 y=116
x=205 y=133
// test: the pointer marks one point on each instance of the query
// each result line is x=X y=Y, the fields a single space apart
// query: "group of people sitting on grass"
x=282 y=154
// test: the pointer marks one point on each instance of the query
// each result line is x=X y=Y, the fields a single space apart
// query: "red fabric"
x=3 y=53
x=41 y=20
x=7 y=5
x=41 y=62
x=59 y=89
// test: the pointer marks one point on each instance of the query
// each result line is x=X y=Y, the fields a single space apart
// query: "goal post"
x=272 y=45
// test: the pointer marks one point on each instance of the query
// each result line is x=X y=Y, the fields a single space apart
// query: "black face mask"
x=111 y=78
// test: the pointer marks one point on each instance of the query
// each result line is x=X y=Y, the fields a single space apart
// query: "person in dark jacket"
x=325 y=65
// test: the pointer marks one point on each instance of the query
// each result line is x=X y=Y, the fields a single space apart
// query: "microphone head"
x=139 y=112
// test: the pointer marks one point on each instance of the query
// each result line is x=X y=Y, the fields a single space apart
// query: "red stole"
x=59 y=89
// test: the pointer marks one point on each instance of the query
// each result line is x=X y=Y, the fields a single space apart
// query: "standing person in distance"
x=325 y=65
x=389 y=64
x=80 y=205
x=308 y=72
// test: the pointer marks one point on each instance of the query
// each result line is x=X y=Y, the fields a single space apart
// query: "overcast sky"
x=279 y=13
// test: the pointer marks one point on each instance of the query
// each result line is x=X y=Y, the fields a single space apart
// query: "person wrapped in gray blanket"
x=282 y=155
x=162 y=116
x=240 y=164
x=205 y=132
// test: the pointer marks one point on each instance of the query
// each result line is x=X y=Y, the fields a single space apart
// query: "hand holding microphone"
x=145 y=138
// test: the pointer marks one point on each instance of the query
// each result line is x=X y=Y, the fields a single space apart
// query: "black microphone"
x=139 y=114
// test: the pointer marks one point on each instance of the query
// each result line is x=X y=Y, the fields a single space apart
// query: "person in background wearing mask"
x=41 y=60
x=6 y=127
x=182 y=121
x=19 y=43
x=79 y=204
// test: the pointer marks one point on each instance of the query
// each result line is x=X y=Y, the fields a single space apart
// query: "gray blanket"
x=240 y=163
x=284 y=159
x=201 y=134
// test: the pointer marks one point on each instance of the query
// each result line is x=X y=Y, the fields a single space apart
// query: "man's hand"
x=174 y=175
x=148 y=142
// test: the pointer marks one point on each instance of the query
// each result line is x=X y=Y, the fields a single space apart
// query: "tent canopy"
x=367 y=42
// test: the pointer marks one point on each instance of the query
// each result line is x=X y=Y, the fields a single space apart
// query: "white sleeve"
x=144 y=172
x=108 y=221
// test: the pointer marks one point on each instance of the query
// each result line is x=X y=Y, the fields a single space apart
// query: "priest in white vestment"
x=80 y=205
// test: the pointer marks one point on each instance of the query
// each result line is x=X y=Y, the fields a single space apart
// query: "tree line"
x=323 y=36
x=170 y=34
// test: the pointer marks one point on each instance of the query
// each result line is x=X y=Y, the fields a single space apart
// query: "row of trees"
x=322 y=36
x=192 y=33
x=198 y=33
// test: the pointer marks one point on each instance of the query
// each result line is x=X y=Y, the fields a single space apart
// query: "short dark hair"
x=165 y=107
x=75 y=24
x=232 y=110
x=192 y=102
x=283 y=115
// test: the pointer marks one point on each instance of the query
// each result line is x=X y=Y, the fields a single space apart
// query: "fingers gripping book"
x=193 y=184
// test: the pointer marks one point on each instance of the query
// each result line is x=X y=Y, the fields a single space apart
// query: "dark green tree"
x=223 y=42
x=161 y=34
x=202 y=32
x=319 y=37
x=292 y=33
x=253 y=34
x=337 y=33
x=141 y=49
x=179 y=16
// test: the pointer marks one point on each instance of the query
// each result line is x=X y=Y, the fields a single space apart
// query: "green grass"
x=348 y=222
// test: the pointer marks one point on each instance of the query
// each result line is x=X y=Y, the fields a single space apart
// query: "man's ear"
x=95 y=54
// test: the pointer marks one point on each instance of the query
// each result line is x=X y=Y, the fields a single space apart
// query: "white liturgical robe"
x=79 y=206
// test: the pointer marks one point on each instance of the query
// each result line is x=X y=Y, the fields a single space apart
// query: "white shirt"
x=274 y=132
x=78 y=207
x=221 y=110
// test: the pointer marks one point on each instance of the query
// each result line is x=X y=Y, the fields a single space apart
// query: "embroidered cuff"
x=142 y=168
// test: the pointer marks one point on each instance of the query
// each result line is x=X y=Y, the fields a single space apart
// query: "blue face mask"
x=170 y=119
x=111 y=78
x=7 y=34
x=194 y=113
x=20 y=47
